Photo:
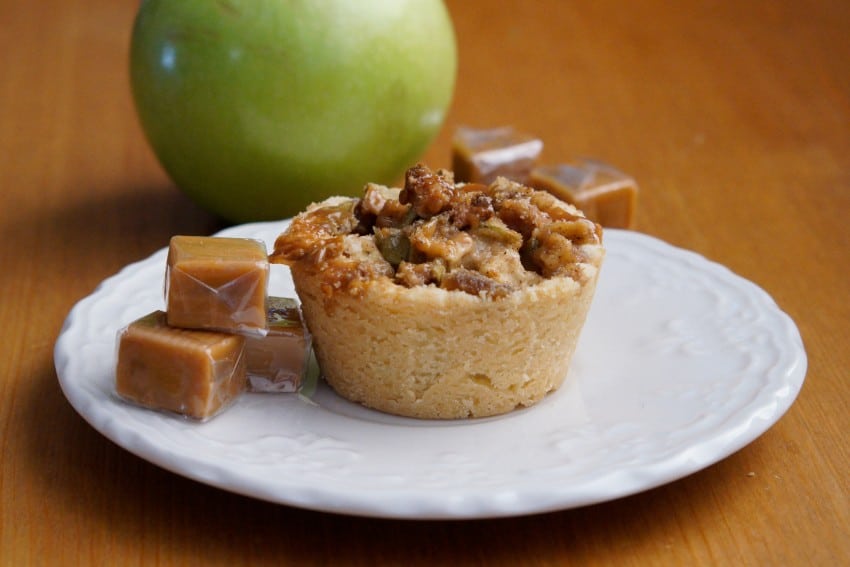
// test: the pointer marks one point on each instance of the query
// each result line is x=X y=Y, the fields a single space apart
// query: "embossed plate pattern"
x=680 y=364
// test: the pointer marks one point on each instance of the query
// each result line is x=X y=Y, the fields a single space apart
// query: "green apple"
x=256 y=108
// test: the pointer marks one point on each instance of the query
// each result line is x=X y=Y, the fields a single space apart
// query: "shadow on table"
x=111 y=226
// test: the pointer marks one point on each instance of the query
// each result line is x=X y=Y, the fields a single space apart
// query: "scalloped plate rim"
x=439 y=503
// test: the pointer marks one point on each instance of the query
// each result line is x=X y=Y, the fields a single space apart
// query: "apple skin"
x=256 y=108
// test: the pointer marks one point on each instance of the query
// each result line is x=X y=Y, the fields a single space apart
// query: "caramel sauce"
x=485 y=240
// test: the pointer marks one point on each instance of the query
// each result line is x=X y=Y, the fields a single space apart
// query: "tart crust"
x=476 y=318
x=430 y=353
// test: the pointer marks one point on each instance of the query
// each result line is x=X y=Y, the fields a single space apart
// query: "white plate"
x=680 y=364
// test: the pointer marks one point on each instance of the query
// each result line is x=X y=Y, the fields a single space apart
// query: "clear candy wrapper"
x=603 y=193
x=482 y=155
x=278 y=361
x=193 y=373
x=217 y=283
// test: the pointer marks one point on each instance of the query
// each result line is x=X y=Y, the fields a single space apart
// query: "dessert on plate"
x=440 y=299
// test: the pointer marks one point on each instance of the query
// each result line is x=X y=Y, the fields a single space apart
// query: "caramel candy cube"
x=480 y=156
x=217 y=283
x=278 y=361
x=193 y=373
x=605 y=195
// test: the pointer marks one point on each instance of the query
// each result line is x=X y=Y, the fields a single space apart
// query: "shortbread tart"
x=443 y=300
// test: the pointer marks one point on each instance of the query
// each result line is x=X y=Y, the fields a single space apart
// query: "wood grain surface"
x=734 y=117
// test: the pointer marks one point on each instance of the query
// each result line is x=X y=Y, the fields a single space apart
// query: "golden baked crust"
x=443 y=300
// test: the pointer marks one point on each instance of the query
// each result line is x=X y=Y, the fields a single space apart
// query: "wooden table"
x=733 y=116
